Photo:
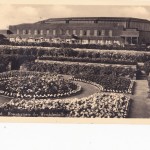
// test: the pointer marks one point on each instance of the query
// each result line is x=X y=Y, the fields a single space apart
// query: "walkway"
x=87 y=89
x=140 y=107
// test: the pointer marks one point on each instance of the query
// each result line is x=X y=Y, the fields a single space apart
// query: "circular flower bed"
x=36 y=85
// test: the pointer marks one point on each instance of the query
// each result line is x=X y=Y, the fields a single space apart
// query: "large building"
x=85 y=30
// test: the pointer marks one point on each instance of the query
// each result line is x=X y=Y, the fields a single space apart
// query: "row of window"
x=67 y=32
x=140 y=26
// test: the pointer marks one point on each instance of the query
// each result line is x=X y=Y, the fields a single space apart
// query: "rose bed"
x=36 y=85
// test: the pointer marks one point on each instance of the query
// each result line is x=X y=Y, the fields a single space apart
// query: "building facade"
x=89 y=30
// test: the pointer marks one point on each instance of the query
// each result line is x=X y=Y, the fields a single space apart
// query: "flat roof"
x=97 y=18
x=128 y=19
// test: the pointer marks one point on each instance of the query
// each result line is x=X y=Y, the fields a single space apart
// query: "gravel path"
x=140 y=107
x=87 y=90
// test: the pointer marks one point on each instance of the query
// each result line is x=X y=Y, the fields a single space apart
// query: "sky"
x=17 y=14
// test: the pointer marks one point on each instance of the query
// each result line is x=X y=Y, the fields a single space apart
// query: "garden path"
x=140 y=107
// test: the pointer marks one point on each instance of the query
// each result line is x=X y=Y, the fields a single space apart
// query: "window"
x=88 y=33
x=38 y=32
x=29 y=32
x=74 y=32
x=95 y=32
x=54 y=32
x=41 y=32
x=99 y=33
x=110 y=33
x=25 y=32
x=35 y=32
x=47 y=31
x=61 y=31
x=84 y=33
x=103 y=33
x=81 y=32
x=17 y=31
x=57 y=21
x=67 y=32
x=81 y=21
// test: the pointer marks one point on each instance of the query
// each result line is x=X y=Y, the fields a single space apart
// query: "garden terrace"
x=93 y=55
x=73 y=68
x=110 y=56
x=69 y=54
x=98 y=105
x=100 y=56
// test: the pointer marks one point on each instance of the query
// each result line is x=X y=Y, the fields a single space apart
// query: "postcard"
x=80 y=63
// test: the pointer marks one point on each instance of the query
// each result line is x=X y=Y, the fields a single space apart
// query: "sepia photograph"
x=74 y=74
x=74 y=61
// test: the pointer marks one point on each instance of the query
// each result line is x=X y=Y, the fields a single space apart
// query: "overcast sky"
x=16 y=14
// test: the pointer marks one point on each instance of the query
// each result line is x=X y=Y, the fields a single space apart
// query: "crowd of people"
x=35 y=85
x=98 y=105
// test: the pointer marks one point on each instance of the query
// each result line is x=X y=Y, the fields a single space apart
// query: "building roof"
x=88 y=19
x=95 y=18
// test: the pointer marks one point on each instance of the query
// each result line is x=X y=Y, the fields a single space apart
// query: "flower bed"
x=36 y=85
x=108 y=83
x=98 y=105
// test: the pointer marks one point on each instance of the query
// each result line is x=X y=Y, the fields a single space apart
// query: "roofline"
x=87 y=18
x=97 y=18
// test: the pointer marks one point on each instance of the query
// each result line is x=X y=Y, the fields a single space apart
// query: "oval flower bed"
x=36 y=85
